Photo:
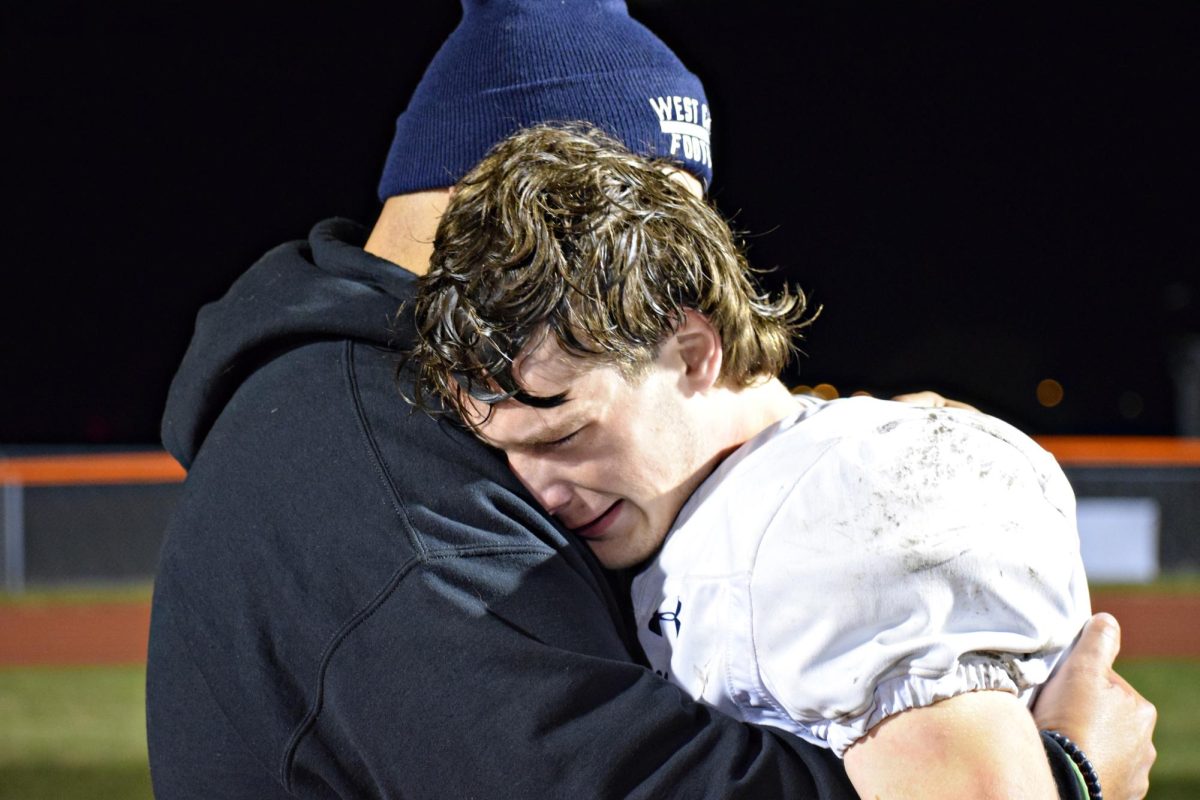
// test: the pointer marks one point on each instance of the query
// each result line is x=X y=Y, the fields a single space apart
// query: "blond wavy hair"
x=562 y=231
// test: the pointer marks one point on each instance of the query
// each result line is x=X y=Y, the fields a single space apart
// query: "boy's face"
x=616 y=461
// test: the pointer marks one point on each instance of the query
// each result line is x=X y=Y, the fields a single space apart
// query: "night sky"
x=981 y=197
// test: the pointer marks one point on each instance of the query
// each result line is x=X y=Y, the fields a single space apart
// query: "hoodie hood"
x=324 y=288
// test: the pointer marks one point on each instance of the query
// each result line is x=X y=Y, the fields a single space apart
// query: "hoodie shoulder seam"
x=373 y=454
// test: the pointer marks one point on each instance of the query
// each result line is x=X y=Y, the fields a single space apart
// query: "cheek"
x=666 y=447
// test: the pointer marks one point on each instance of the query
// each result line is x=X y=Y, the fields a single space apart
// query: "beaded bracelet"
x=1087 y=772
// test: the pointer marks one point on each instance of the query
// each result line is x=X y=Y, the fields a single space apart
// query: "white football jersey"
x=863 y=557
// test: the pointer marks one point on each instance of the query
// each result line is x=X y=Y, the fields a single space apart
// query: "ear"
x=699 y=346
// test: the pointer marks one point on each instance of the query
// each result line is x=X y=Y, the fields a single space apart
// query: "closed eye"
x=560 y=442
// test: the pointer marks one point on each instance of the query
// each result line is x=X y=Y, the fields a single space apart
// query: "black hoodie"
x=357 y=601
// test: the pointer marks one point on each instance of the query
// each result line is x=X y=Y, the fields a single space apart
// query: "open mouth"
x=597 y=527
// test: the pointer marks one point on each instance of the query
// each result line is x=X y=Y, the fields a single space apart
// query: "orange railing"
x=93 y=469
x=1123 y=451
x=158 y=467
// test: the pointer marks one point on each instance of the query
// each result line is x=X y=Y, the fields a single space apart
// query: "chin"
x=612 y=562
x=608 y=557
x=626 y=560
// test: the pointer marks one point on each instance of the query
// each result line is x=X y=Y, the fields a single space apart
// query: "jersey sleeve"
x=932 y=555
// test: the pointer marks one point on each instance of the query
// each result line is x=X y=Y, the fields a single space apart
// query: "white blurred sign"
x=1119 y=538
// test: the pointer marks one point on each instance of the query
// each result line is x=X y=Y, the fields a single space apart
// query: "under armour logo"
x=660 y=617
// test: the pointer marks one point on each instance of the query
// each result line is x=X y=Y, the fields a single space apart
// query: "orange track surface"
x=62 y=634
x=1154 y=625
x=115 y=633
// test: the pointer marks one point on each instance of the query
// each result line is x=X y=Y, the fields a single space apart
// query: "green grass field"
x=70 y=733
x=78 y=733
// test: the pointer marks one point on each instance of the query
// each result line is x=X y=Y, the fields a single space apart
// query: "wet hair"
x=562 y=231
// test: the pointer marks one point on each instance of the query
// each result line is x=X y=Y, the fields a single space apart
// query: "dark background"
x=981 y=196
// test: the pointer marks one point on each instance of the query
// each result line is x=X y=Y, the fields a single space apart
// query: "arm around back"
x=355 y=601
x=985 y=740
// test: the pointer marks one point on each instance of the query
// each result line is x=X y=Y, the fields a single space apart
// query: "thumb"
x=1099 y=642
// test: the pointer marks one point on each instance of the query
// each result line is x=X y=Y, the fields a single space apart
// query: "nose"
x=542 y=479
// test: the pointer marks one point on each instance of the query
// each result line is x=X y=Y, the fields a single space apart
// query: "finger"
x=921 y=399
x=960 y=404
x=1100 y=641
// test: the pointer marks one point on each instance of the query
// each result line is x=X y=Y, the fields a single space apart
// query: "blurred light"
x=861 y=393
x=802 y=389
x=1130 y=405
x=1049 y=393
x=825 y=391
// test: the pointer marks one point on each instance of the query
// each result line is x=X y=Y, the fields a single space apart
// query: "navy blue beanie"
x=514 y=63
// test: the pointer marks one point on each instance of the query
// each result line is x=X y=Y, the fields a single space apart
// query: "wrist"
x=1082 y=772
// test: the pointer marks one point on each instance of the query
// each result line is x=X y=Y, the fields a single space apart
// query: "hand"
x=932 y=399
x=1089 y=703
